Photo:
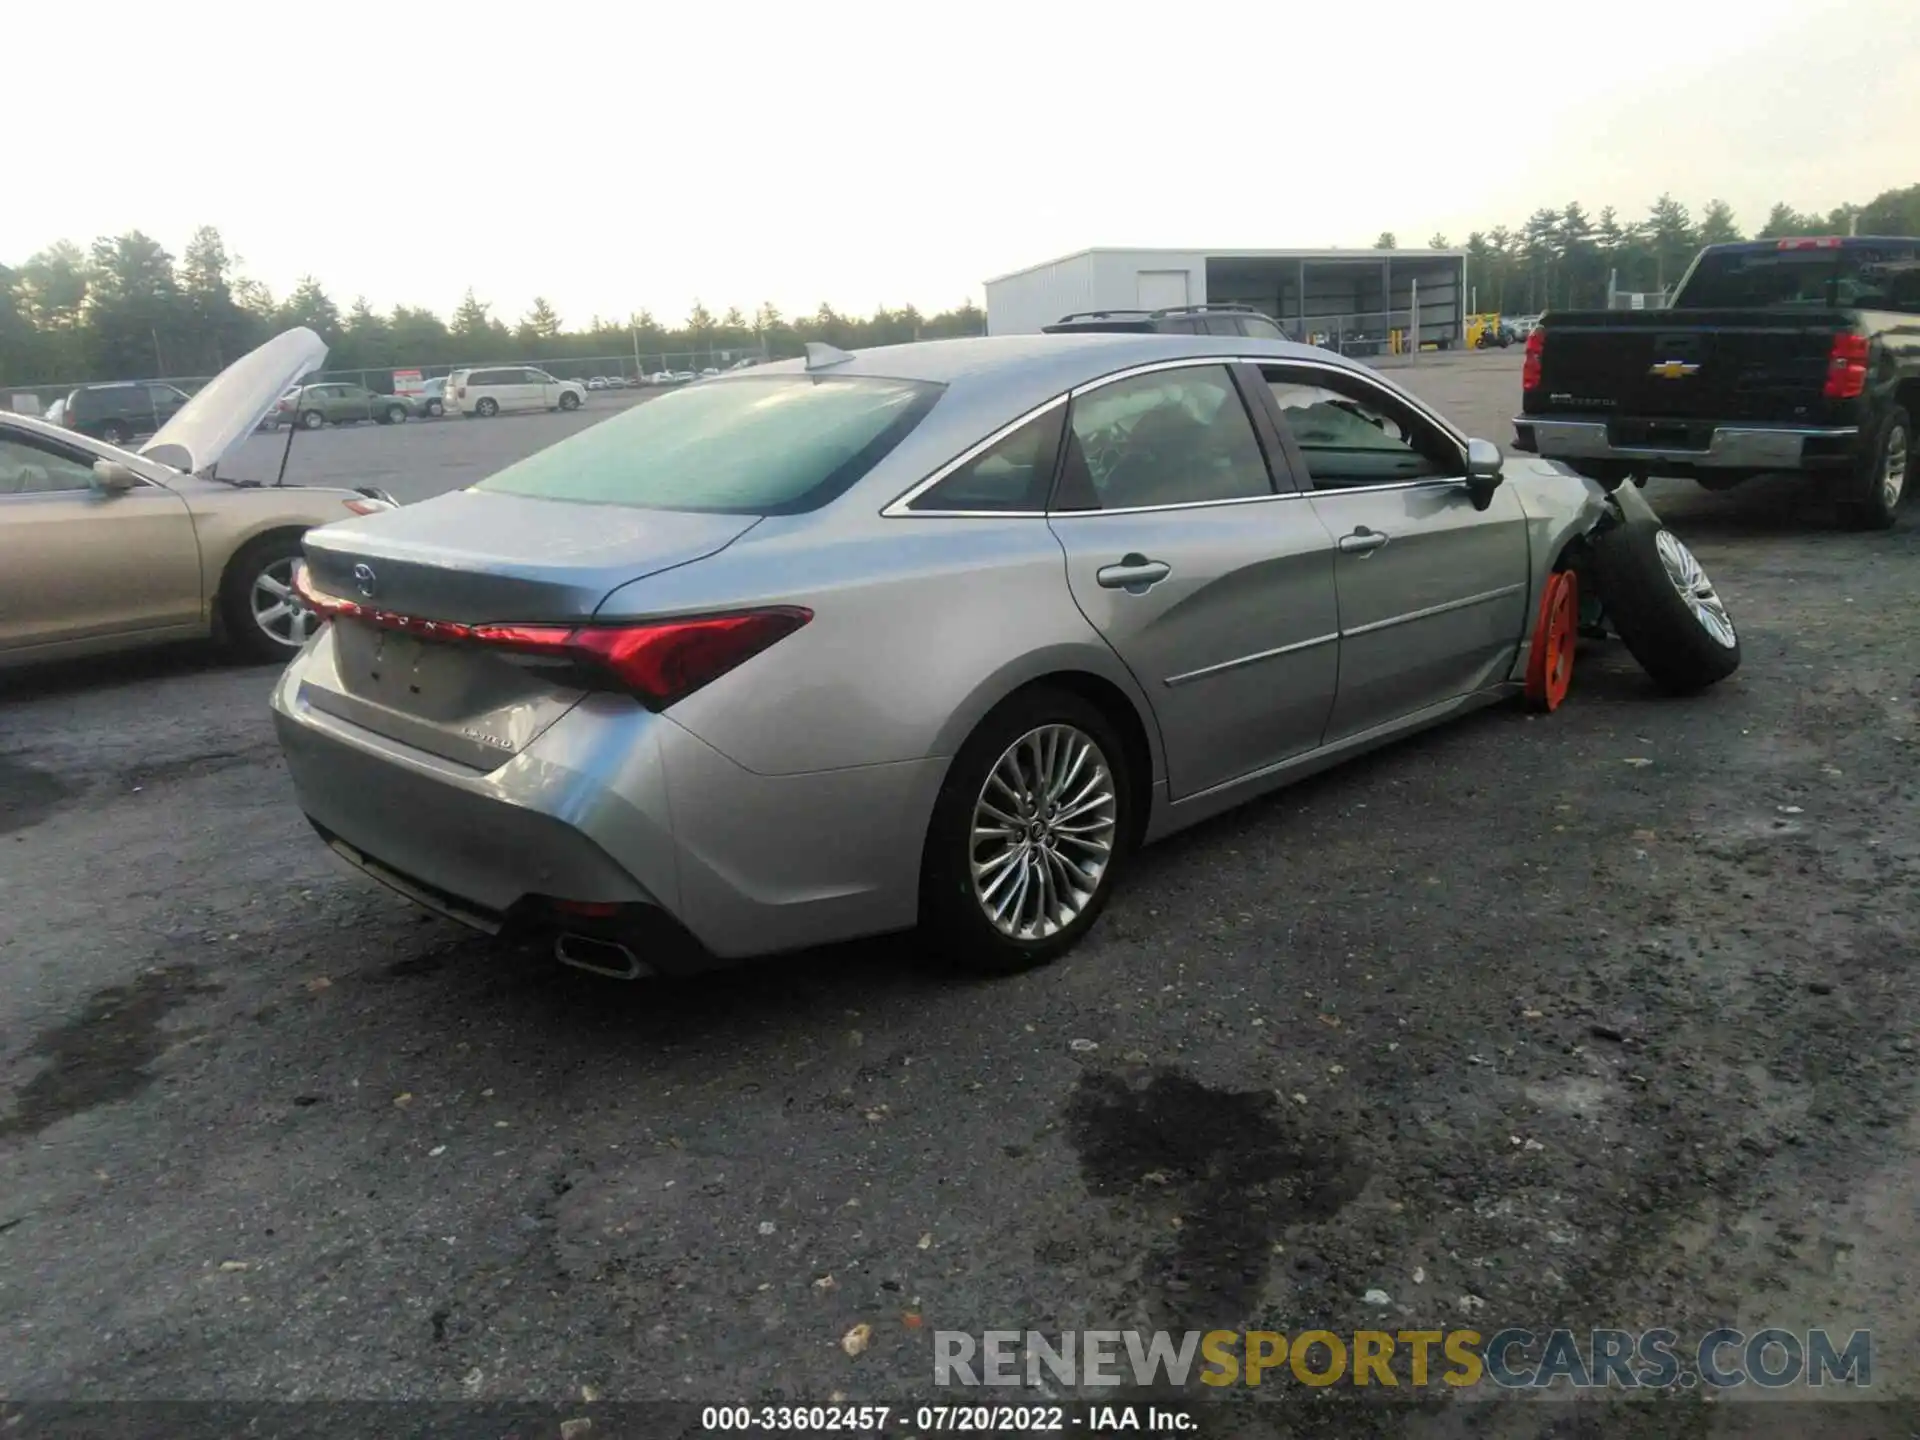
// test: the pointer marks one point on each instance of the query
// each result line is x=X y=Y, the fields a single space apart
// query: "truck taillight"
x=1536 y=350
x=1846 y=367
x=460 y=393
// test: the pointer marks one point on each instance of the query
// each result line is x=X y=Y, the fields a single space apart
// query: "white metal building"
x=1350 y=299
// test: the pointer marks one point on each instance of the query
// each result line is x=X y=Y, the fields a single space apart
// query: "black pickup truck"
x=1774 y=355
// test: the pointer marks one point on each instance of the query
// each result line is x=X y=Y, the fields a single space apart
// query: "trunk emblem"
x=1673 y=369
x=363 y=580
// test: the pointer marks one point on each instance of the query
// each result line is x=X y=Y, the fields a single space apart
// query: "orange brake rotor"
x=1550 y=662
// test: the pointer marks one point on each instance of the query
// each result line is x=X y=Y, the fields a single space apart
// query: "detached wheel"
x=1034 y=817
x=1556 y=634
x=265 y=620
x=1880 y=480
x=1667 y=612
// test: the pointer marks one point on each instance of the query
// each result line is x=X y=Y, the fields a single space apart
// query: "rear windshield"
x=1853 y=276
x=762 y=445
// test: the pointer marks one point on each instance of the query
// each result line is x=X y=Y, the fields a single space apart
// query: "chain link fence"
x=629 y=370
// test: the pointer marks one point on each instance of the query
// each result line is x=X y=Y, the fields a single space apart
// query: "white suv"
x=496 y=388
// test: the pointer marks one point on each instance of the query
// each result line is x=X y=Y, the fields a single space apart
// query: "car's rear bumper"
x=1702 y=447
x=615 y=806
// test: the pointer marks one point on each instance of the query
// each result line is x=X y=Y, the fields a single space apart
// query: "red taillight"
x=460 y=393
x=1530 y=369
x=660 y=662
x=1846 y=367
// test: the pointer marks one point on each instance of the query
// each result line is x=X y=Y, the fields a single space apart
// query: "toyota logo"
x=363 y=580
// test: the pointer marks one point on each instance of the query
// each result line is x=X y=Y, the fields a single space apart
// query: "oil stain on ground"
x=1238 y=1168
x=27 y=795
x=101 y=1055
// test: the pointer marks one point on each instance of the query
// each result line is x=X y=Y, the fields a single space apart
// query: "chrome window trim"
x=1206 y=671
x=1461 y=604
x=1435 y=481
x=1178 y=505
x=899 y=507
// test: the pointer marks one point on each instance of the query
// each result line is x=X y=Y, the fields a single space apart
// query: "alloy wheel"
x=1044 y=827
x=1691 y=581
x=278 y=609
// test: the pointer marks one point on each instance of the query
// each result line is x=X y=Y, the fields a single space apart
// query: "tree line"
x=125 y=308
x=1563 y=258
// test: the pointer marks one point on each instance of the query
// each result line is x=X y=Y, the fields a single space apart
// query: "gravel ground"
x=1603 y=1018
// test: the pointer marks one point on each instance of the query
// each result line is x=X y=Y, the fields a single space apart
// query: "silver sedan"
x=933 y=634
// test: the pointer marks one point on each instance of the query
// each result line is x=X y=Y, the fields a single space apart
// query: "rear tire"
x=1880 y=480
x=1033 y=822
x=312 y=420
x=487 y=407
x=435 y=409
x=396 y=414
x=114 y=433
x=1666 y=610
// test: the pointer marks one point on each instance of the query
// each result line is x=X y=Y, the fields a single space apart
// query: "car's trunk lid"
x=477 y=558
x=1720 y=365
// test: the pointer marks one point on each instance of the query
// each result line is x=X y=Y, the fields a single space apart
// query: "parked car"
x=106 y=549
x=495 y=389
x=823 y=606
x=709 y=371
x=120 y=412
x=1791 y=355
x=336 y=403
x=598 y=382
x=635 y=381
x=1174 y=320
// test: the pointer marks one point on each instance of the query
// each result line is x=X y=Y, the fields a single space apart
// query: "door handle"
x=1362 y=541
x=1135 y=574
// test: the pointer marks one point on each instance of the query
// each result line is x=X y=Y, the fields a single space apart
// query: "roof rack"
x=1233 y=307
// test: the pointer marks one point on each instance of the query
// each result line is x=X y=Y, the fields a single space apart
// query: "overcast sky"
x=866 y=154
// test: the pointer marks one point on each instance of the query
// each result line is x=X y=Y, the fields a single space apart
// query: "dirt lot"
x=1601 y=1019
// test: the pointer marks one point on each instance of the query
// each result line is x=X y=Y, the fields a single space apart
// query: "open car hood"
x=234 y=402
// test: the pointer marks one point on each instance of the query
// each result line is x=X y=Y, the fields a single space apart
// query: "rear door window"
x=772 y=445
x=1013 y=474
x=1168 y=437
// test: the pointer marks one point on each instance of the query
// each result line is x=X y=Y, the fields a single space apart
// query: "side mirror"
x=1483 y=471
x=112 y=476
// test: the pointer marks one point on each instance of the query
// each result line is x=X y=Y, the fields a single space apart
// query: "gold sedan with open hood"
x=106 y=549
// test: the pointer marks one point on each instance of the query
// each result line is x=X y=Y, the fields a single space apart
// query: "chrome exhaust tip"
x=602 y=957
